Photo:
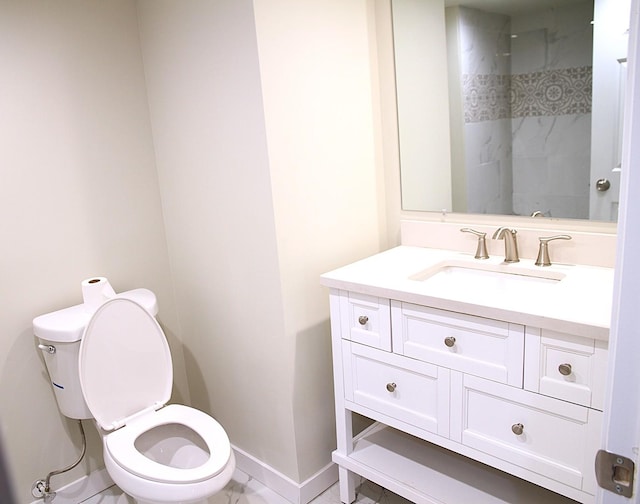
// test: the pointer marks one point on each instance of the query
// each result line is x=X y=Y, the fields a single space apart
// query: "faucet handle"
x=543 y=253
x=481 y=249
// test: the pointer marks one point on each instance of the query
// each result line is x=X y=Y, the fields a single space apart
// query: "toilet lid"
x=124 y=364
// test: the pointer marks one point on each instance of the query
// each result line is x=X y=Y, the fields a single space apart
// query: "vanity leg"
x=347 y=485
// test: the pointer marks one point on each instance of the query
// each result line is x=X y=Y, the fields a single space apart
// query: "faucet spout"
x=510 y=243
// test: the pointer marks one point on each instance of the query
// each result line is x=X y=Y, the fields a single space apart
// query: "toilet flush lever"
x=47 y=348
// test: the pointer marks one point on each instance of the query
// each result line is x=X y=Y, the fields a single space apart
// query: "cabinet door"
x=479 y=346
x=365 y=319
x=566 y=367
x=410 y=391
x=547 y=436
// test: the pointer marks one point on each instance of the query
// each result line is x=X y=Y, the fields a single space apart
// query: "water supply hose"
x=46 y=490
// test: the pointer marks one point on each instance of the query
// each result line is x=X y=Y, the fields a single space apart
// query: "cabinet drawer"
x=413 y=392
x=566 y=367
x=366 y=319
x=544 y=435
x=483 y=347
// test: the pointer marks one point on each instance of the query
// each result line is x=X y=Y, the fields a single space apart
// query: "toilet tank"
x=59 y=334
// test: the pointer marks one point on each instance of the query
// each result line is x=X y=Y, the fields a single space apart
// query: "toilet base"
x=166 y=493
x=127 y=499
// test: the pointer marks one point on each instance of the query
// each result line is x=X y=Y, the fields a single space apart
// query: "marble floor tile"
x=243 y=489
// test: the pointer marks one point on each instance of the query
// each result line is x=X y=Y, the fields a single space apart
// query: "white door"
x=610 y=42
x=622 y=407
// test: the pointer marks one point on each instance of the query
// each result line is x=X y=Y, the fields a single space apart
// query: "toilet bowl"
x=177 y=454
x=155 y=453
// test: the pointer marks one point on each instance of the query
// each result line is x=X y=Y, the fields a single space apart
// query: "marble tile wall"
x=526 y=83
x=551 y=111
x=485 y=67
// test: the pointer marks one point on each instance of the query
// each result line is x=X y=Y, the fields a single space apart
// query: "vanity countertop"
x=578 y=304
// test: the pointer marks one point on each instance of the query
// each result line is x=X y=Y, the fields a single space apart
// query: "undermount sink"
x=482 y=277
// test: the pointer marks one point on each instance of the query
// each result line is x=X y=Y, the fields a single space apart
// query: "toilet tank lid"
x=68 y=325
x=62 y=326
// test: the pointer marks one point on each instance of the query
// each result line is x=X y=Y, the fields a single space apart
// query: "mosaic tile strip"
x=548 y=93
x=486 y=97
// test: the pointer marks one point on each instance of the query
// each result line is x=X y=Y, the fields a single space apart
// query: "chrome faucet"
x=510 y=243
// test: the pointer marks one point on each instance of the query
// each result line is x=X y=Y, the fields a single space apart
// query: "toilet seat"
x=121 y=445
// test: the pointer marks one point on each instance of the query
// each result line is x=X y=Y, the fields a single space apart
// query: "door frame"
x=621 y=429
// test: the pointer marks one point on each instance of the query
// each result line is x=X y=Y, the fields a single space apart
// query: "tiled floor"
x=244 y=490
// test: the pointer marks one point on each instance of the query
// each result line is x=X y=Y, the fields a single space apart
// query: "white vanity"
x=485 y=380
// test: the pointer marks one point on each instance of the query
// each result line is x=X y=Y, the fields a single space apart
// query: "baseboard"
x=296 y=493
x=82 y=488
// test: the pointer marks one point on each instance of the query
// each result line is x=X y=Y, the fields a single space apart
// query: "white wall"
x=263 y=130
x=203 y=81
x=419 y=40
x=317 y=89
x=79 y=197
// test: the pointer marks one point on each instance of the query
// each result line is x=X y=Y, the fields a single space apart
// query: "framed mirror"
x=511 y=107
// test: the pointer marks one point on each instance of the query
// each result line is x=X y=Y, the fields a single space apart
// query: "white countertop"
x=580 y=303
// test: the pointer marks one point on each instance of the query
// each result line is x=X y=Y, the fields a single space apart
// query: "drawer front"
x=410 y=391
x=567 y=367
x=482 y=347
x=547 y=436
x=366 y=319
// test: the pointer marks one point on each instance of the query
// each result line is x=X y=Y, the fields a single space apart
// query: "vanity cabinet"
x=465 y=408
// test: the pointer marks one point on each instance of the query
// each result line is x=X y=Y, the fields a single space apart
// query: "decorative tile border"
x=547 y=93
x=486 y=97
x=550 y=93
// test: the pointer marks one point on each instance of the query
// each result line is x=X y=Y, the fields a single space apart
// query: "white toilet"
x=155 y=453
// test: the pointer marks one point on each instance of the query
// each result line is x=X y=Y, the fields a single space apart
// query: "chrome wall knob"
x=449 y=341
x=565 y=369
x=391 y=387
x=363 y=319
x=517 y=429
x=602 y=185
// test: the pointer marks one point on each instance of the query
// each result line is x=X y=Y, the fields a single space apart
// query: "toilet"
x=154 y=452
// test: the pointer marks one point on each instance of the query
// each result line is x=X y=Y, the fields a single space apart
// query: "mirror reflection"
x=534 y=112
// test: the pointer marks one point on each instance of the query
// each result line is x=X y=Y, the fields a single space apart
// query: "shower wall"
x=526 y=100
x=551 y=55
x=484 y=41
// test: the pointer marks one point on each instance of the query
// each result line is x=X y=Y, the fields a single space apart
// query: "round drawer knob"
x=391 y=387
x=363 y=319
x=449 y=341
x=517 y=429
x=564 y=369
